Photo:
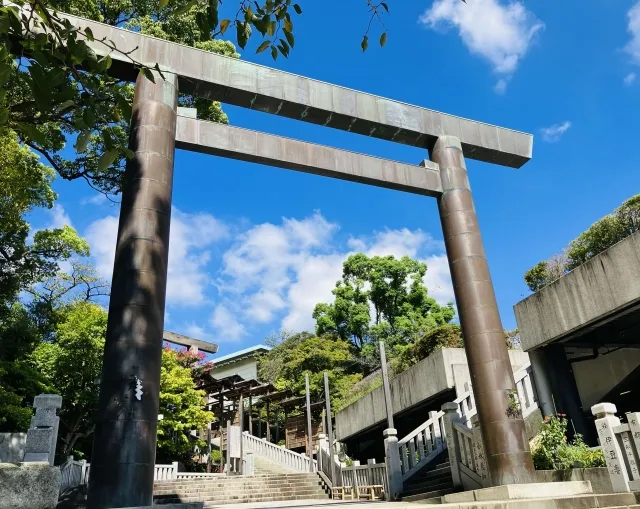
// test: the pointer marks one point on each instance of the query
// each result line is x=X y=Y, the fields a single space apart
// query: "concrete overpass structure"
x=424 y=387
x=583 y=335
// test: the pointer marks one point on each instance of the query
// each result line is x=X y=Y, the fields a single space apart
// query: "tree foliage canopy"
x=603 y=234
x=25 y=184
x=393 y=291
x=295 y=354
x=181 y=405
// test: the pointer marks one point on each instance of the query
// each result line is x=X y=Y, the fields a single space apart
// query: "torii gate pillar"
x=503 y=432
x=124 y=449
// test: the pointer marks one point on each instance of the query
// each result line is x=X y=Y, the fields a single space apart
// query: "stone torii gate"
x=125 y=435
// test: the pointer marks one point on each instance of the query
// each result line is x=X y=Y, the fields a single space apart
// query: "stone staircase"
x=214 y=491
x=264 y=466
x=432 y=481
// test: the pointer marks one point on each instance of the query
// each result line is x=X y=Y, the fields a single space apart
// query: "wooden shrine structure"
x=262 y=410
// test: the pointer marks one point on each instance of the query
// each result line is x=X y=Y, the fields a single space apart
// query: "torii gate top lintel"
x=254 y=86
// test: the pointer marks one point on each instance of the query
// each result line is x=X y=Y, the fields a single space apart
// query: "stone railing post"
x=249 y=464
x=606 y=421
x=392 y=458
x=451 y=416
x=479 y=455
x=437 y=433
x=43 y=432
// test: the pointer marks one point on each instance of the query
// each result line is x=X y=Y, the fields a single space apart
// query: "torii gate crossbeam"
x=125 y=436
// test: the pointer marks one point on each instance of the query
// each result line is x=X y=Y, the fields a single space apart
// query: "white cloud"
x=225 y=321
x=190 y=235
x=59 y=217
x=633 y=46
x=500 y=86
x=285 y=270
x=554 y=133
x=96 y=199
x=629 y=78
x=500 y=32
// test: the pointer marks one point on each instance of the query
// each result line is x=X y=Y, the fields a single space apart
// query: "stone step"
x=434 y=475
x=589 y=501
x=294 y=475
x=428 y=497
x=207 y=497
x=241 y=498
x=247 y=485
x=257 y=489
x=420 y=489
x=213 y=505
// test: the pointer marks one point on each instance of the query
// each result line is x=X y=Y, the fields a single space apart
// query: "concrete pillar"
x=394 y=469
x=542 y=382
x=124 y=446
x=508 y=456
x=567 y=398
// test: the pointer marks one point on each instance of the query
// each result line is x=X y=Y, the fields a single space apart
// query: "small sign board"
x=233 y=442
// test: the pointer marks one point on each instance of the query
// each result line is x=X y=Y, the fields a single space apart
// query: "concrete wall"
x=595 y=378
x=247 y=368
x=428 y=378
x=29 y=486
x=599 y=287
x=12 y=447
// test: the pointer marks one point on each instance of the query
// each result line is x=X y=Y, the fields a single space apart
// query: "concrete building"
x=243 y=363
x=582 y=333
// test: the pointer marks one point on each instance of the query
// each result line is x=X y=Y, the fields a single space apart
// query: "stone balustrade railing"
x=160 y=472
x=285 y=457
x=620 y=443
x=455 y=427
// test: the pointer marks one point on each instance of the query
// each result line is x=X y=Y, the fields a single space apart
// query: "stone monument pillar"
x=508 y=456
x=43 y=432
x=124 y=446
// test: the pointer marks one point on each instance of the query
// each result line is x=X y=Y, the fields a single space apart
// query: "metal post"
x=241 y=434
x=209 y=447
x=124 y=445
x=508 y=456
x=228 y=448
x=309 y=427
x=334 y=475
x=268 y=421
x=387 y=389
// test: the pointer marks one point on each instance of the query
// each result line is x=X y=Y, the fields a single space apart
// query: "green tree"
x=603 y=234
x=72 y=365
x=25 y=184
x=182 y=407
x=295 y=354
x=394 y=290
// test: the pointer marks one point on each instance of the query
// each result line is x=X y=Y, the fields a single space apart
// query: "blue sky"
x=254 y=248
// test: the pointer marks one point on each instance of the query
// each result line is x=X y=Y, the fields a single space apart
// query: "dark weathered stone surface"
x=508 y=456
x=253 y=86
x=124 y=449
x=29 y=486
x=256 y=147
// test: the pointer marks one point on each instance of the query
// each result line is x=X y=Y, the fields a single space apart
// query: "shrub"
x=553 y=452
